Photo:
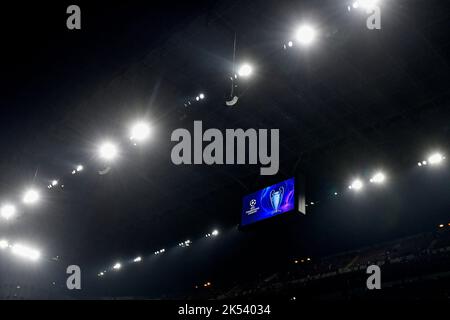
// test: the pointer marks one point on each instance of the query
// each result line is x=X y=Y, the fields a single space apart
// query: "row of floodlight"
x=107 y=152
x=117 y=266
x=379 y=178
x=20 y=250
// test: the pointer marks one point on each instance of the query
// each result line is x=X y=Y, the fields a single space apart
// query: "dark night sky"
x=358 y=100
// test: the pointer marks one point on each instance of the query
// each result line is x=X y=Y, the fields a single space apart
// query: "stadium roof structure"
x=356 y=100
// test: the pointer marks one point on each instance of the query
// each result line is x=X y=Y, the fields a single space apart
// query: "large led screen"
x=268 y=202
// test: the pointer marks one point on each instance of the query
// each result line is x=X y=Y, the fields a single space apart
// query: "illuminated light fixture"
x=306 y=35
x=378 y=178
x=441 y=226
x=25 y=252
x=419 y=164
x=435 y=159
x=140 y=131
x=186 y=243
x=424 y=163
x=117 y=266
x=215 y=233
x=356 y=185
x=31 y=197
x=101 y=274
x=336 y=194
x=309 y=259
x=365 y=4
x=108 y=151
x=7 y=211
x=201 y=96
x=138 y=259
x=290 y=44
x=197 y=98
x=245 y=70
x=4 y=244
x=80 y=168
x=54 y=183
x=161 y=251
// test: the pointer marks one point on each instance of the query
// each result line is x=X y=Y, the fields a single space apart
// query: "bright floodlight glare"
x=435 y=158
x=140 y=131
x=365 y=4
x=378 y=178
x=30 y=197
x=4 y=244
x=117 y=266
x=138 y=259
x=26 y=252
x=215 y=233
x=54 y=183
x=245 y=70
x=7 y=211
x=201 y=96
x=80 y=168
x=108 y=151
x=356 y=185
x=306 y=35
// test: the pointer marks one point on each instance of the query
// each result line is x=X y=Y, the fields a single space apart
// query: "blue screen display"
x=268 y=202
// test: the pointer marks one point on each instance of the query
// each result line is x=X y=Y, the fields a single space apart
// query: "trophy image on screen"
x=276 y=198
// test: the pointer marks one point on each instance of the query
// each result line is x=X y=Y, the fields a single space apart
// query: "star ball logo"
x=253 y=209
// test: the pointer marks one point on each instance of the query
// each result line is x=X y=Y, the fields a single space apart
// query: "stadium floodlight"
x=215 y=233
x=435 y=159
x=101 y=274
x=378 y=178
x=80 y=168
x=31 y=196
x=25 y=252
x=117 y=266
x=4 y=244
x=245 y=70
x=138 y=259
x=108 y=151
x=306 y=35
x=365 y=4
x=201 y=96
x=7 y=211
x=441 y=226
x=356 y=185
x=140 y=131
x=54 y=183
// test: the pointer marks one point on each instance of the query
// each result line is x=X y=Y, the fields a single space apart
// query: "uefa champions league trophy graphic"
x=276 y=198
